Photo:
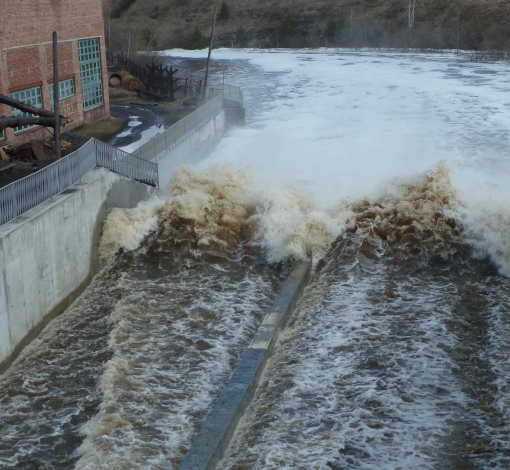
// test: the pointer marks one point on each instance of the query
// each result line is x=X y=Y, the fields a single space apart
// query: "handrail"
x=160 y=145
x=26 y=193
x=126 y=164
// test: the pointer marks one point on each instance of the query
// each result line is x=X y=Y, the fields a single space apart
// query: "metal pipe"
x=56 y=94
x=27 y=108
x=17 y=121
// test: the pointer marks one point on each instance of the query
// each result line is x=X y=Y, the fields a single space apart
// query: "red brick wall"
x=33 y=21
x=26 y=57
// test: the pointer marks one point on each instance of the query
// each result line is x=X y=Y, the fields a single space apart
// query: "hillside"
x=161 y=24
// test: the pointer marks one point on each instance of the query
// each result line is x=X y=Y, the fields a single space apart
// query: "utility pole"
x=55 y=96
x=210 y=49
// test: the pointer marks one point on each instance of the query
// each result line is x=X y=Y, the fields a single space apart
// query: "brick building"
x=26 y=61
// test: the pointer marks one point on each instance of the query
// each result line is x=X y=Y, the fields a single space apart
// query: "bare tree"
x=410 y=8
x=458 y=31
x=107 y=10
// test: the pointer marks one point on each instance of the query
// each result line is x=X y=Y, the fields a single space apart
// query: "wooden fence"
x=157 y=78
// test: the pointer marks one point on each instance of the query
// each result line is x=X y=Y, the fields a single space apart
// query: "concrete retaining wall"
x=50 y=253
x=214 y=438
x=194 y=149
x=199 y=145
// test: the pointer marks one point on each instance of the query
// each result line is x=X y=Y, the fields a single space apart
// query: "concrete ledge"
x=214 y=438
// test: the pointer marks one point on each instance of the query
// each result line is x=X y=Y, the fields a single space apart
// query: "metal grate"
x=30 y=96
x=90 y=72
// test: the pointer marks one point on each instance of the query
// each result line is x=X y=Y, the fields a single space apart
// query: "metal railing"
x=159 y=146
x=26 y=193
x=233 y=93
x=126 y=164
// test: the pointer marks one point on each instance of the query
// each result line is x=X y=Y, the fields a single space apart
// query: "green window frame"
x=31 y=96
x=65 y=90
x=90 y=72
x=2 y=135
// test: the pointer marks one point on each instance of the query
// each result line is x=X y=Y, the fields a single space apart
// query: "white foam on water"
x=127 y=228
x=342 y=125
x=362 y=379
x=221 y=207
x=486 y=226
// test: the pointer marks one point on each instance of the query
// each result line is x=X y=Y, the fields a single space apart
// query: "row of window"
x=33 y=96
x=90 y=74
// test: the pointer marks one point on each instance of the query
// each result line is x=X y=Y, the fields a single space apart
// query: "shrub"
x=334 y=29
x=148 y=38
x=288 y=27
x=242 y=37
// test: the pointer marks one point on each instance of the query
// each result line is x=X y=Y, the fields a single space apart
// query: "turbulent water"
x=125 y=377
x=396 y=356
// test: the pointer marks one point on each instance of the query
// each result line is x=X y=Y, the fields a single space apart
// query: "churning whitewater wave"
x=393 y=357
x=220 y=208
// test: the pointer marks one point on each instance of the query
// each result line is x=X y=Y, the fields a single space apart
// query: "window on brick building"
x=65 y=90
x=90 y=72
x=2 y=135
x=30 y=96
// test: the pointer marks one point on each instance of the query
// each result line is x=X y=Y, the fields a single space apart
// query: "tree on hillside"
x=334 y=30
x=224 y=13
x=198 y=40
x=242 y=37
x=107 y=13
x=288 y=27
x=148 y=39
x=474 y=40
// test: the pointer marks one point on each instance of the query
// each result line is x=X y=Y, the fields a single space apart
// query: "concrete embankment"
x=50 y=253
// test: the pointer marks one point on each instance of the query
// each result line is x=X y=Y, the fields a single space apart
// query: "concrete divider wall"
x=50 y=253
